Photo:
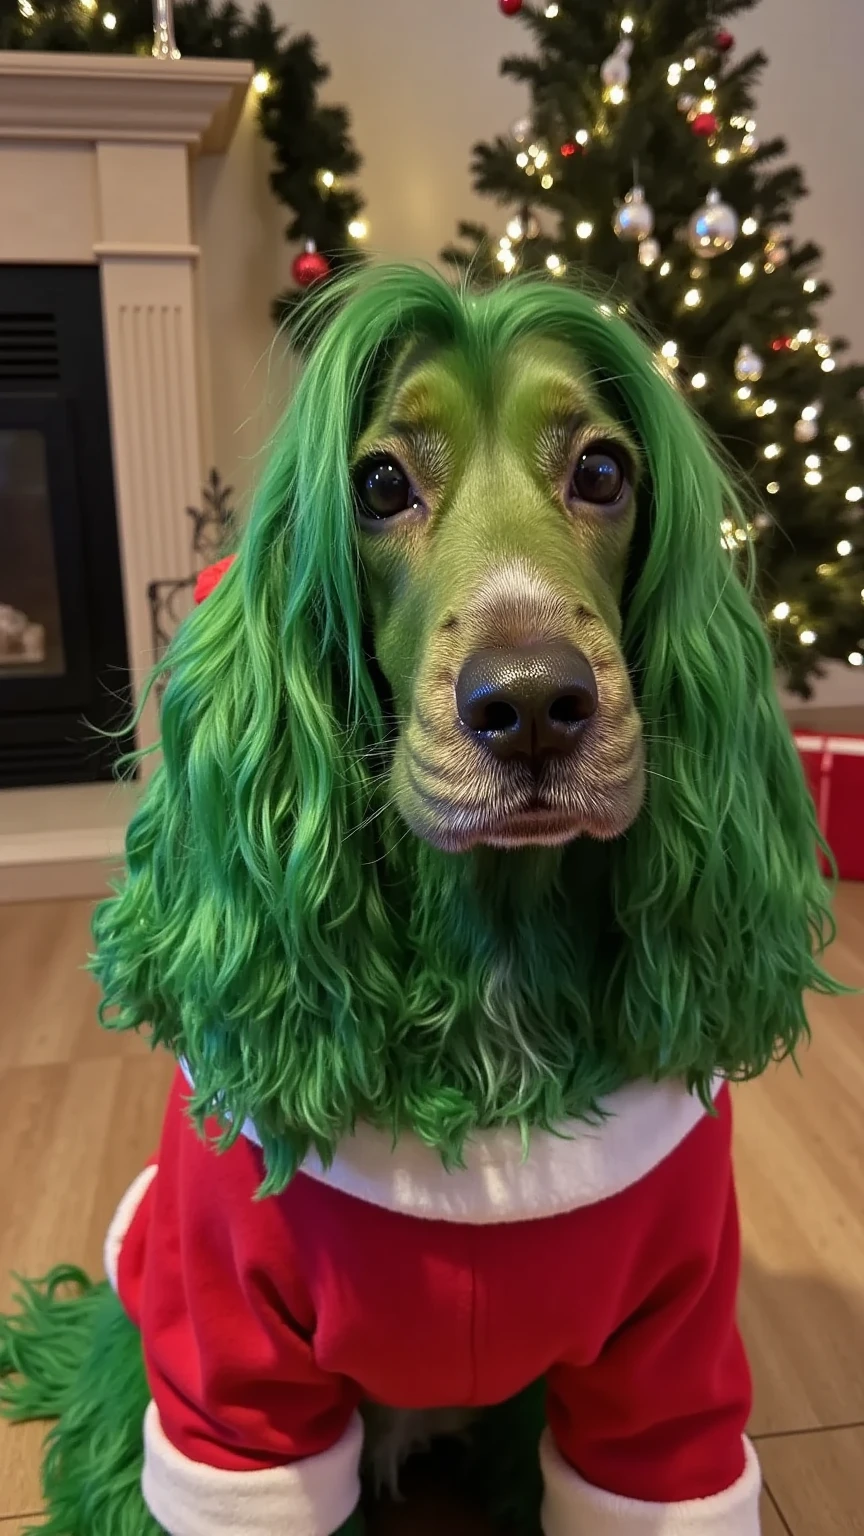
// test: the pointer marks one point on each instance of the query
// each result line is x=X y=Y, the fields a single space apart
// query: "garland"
x=313 y=152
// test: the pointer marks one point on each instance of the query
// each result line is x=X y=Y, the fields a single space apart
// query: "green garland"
x=308 y=139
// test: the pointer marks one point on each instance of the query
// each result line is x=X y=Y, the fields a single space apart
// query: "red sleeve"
x=242 y=1417
x=659 y=1417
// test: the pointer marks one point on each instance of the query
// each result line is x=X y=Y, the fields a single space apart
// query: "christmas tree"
x=640 y=161
x=313 y=153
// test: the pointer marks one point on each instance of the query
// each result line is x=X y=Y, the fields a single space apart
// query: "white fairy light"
x=744 y=393
x=555 y=264
x=773 y=487
x=327 y=179
x=669 y=349
x=810 y=412
x=842 y=443
x=616 y=95
x=767 y=408
x=692 y=298
x=710 y=83
x=699 y=380
x=673 y=74
x=844 y=547
x=260 y=81
x=855 y=659
x=690 y=62
x=515 y=230
x=828 y=365
x=772 y=451
x=810 y=285
x=807 y=637
x=627 y=24
x=547 y=181
x=723 y=156
x=665 y=268
x=750 y=226
x=551 y=12
x=582 y=136
x=522 y=160
x=26 y=9
x=781 y=611
x=805 y=335
x=813 y=477
x=358 y=229
x=813 y=461
x=584 y=229
x=109 y=21
x=746 y=270
x=855 y=493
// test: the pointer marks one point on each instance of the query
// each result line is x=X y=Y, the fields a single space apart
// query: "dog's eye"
x=382 y=488
x=600 y=475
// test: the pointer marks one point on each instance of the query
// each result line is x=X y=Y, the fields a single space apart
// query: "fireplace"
x=65 y=700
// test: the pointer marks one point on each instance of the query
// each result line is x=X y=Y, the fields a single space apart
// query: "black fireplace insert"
x=65 y=702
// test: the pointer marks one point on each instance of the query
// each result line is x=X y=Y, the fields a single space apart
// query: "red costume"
x=605 y=1259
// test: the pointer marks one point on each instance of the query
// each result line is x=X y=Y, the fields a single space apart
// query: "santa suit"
x=605 y=1260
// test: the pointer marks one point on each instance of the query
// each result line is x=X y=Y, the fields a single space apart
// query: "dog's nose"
x=527 y=700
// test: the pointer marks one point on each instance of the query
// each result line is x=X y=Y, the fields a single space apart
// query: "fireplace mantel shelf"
x=92 y=97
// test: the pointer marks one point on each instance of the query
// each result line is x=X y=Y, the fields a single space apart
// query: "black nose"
x=528 y=700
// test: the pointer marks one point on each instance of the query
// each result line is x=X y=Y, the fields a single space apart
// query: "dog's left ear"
x=716 y=885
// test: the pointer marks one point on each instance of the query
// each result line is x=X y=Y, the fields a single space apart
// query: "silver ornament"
x=713 y=228
x=749 y=366
x=616 y=69
x=521 y=129
x=634 y=218
x=686 y=102
x=805 y=431
x=649 y=251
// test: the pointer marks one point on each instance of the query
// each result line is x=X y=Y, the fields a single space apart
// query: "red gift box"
x=834 y=767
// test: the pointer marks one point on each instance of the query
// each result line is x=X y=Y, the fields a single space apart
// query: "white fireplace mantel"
x=95 y=156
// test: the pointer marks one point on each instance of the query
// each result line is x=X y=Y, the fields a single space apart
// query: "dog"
x=479 y=862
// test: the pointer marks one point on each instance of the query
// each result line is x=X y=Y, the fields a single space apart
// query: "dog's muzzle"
x=529 y=701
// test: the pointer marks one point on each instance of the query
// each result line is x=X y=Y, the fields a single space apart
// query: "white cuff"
x=572 y=1507
x=312 y=1497
x=122 y=1220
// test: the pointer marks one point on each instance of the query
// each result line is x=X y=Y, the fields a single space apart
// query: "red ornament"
x=211 y=576
x=569 y=148
x=723 y=40
x=510 y=7
x=704 y=123
x=781 y=343
x=309 y=267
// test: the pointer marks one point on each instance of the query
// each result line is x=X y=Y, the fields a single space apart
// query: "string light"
x=89 y=5
x=547 y=181
x=828 y=365
x=781 y=611
x=555 y=264
x=767 y=408
x=823 y=349
x=844 y=547
x=582 y=136
x=807 y=637
x=744 y=392
x=109 y=21
x=710 y=83
x=627 y=24
x=855 y=659
x=665 y=268
x=810 y=412
x=692 y=298
x=842 y=443
x=773 y=487
x=551 y=12
x=616 y=94
x=699 y=380
x=669 y=350
x=748 y=143
x=746 y=270
x=673 y=74
x=750 y=125
x=260 y=81
x=541 y=158
x=854 y=493
x=507 y=260
x=813 y=477
x=515 y=230
x=584 y=229
x=326 y=179
x=813 y=461
x=810 y=285
x=805 y=335
x=749 y=227
x=358 y=229
x=522 y=160
x=723 y=156
x=26 y=8
x=772 y=451
x=690 y=62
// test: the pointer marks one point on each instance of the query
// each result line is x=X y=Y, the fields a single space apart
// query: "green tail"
x=69 y=1353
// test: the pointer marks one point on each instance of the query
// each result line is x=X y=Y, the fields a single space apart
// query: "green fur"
x=78 y=1358
x=317 y=964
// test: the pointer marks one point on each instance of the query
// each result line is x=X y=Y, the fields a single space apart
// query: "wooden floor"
x=81 y=1110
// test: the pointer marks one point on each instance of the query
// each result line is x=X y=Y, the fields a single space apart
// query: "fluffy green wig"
x=314 y=961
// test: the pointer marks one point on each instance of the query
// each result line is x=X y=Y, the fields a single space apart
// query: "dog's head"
x=483 y=604
x=495 y=494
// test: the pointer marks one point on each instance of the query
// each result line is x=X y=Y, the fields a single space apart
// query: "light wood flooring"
x=81 y=1110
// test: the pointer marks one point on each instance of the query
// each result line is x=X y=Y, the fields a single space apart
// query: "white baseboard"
x=62 y=842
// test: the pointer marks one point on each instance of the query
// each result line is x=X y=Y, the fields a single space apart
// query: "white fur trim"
x=312 y=1497
x=577 y=1166
x=572 y=1507
x=122 y=1220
